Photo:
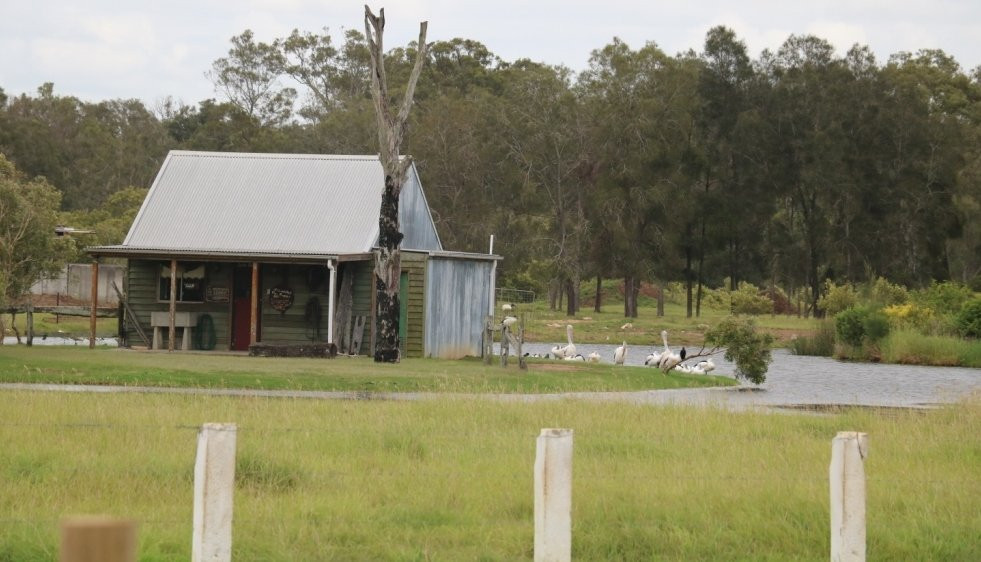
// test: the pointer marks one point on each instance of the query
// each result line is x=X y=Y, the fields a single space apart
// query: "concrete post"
x=97 y=539
x=214 y=484
x=847 y=475
x=553 y=496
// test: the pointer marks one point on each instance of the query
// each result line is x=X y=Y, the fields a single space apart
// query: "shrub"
x=945 y=298
x=884 y=293
x=850 y=326
x=875 y=325
x=746 y=299
x=968 y=320
x=837 y=298
x=749 y=349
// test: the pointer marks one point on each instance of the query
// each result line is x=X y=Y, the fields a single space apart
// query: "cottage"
x=233 y=249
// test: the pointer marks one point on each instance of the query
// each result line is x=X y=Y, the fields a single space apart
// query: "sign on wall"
x=217 y=294
x=281 y=298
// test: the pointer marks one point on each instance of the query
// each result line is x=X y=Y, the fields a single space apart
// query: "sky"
x=114 y=49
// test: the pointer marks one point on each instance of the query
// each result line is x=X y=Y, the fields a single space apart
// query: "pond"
x=800 y=381
x=42 y=339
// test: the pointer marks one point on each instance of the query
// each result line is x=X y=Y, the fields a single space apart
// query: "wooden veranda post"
x=391 y=129
x=172 y=322
x=254 y=314
x=95 y=302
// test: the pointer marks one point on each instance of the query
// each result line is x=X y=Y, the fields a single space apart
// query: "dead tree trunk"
x=391 y=129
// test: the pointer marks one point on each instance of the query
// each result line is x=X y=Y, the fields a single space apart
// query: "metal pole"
x=330 y=300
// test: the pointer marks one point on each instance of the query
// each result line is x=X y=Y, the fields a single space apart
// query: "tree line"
x=785 y=171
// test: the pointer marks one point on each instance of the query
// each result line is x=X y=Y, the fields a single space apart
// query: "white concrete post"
x=214 y=484
x=553 y=496
x=847 y=474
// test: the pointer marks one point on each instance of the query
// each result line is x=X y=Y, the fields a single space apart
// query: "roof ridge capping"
x=273 y=155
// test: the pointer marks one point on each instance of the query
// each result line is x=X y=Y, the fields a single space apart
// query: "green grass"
x=80 y=365
x=65 y=326
x=544 y=325
x=452 y=479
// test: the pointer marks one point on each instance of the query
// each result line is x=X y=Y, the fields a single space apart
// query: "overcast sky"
x=109 y=49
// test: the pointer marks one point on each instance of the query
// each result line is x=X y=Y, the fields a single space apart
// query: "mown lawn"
x=451 y=479
x=80 y=365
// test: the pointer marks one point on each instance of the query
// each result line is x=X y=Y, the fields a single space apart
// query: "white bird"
x=620 y=354
x=508 y=307
x=508 y=321
x=706 y=365
x=653 y=359
x=567 y=350
x=576 y=357
x=682 y=368
x=669 y=359
x=697 y=370
x=593 y=357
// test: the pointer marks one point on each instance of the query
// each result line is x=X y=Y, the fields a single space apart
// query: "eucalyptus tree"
x=391 y=127
x=725 y=155
x=456 y=142
x=542 y=124
x=639 y=105
x=804 y=116
x=28 y=246
x=249 y=78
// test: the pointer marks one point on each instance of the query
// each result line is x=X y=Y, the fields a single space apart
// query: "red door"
x=242 y=308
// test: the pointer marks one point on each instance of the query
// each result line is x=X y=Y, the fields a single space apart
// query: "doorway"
x=242 y=308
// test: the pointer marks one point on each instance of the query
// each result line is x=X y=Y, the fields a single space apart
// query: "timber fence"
x=215 y=485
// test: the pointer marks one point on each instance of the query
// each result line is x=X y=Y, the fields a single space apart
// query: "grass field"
x=544 y=325
x=452 y=479
x=80 y=365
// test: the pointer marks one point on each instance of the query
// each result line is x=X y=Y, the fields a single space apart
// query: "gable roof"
x=249 y=203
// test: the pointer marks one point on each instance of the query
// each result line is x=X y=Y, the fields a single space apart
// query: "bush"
x=968 y=320
x=747 y=348
x=746 y=299
x=884 y=293
x=837 y=298
x=945 y=298
x=850 y=326
x=876 y=326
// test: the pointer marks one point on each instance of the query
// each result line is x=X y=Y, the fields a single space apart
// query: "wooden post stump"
x=97 y=539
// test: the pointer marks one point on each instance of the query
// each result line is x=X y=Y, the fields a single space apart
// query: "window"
x=190 y=282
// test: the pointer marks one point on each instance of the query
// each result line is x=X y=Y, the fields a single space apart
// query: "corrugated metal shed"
x=457 y=301
x=274 y=203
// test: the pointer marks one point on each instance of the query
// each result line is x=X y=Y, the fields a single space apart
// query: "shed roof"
x=238 y=203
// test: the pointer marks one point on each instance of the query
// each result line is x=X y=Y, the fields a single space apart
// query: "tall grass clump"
x=913 y=348
x=820 y=344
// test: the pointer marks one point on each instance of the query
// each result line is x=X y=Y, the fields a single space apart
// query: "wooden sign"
x=217 y=294
x=281 y=298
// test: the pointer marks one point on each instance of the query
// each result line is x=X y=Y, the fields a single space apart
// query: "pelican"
x=620 y=354
x=682 y=368
x=668 y=359
x=567 y=350
x=706 y=366
x=576 y=357
x=653 y=359
x=697 y=369
x=593 y=357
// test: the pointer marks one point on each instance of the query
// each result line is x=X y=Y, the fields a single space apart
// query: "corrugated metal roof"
x=268 y=203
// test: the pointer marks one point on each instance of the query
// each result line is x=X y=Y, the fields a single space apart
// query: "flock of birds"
x=665 y=360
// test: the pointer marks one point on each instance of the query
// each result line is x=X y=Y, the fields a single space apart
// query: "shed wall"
x=414 y=264
x=458 y=297
x=142 y=285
